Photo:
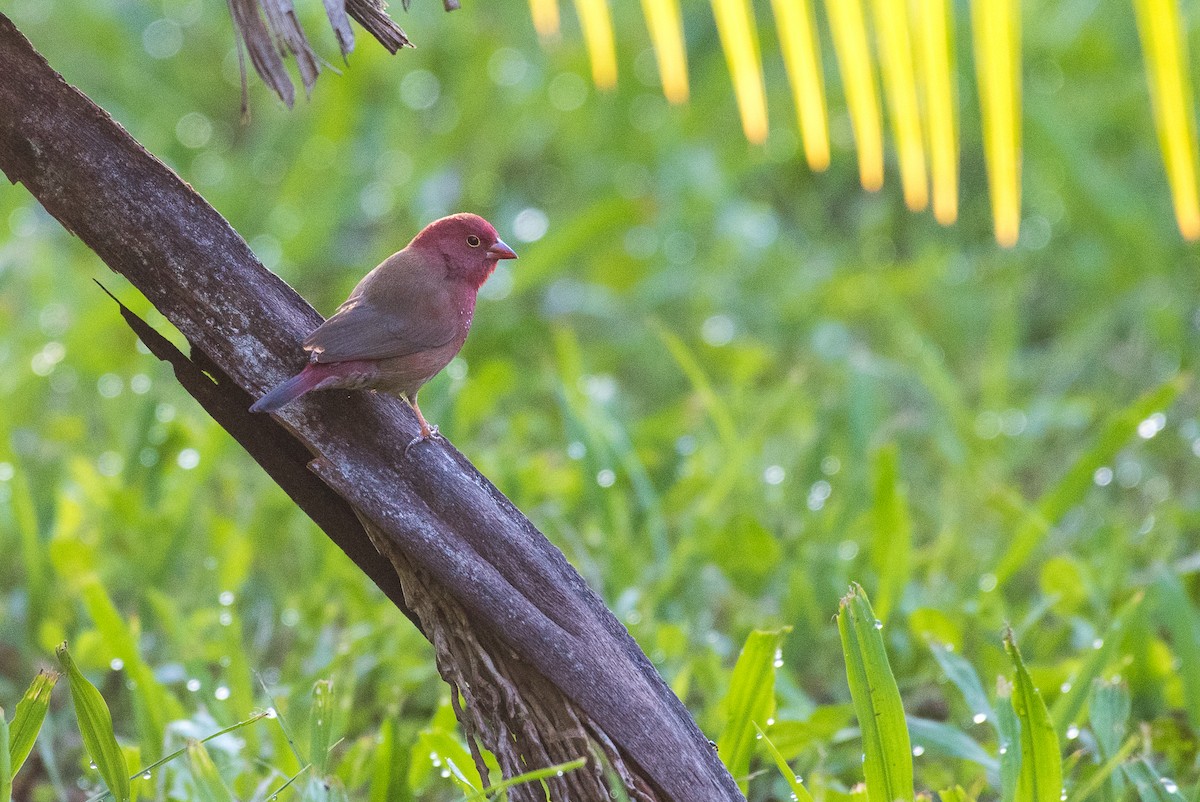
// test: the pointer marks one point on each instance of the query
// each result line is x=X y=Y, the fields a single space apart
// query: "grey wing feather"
x=359 y=331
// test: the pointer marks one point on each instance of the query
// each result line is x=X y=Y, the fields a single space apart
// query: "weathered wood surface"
x=449 y=521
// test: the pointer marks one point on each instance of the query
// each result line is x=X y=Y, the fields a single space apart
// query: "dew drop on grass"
x=193 y=685
x=221 y=693
x=145 y=775
x=878 y=624
x=770 y=722
x=1098 y=643
x=1169 y=785
x=445 y=772
x=226 y=598
x=1065 y=687
x=1063 y=795
x=979 y=718
x=918 y=750
x=1072 y=732
x=559 y=773
x=226 y=618
x=92 y=765
x=272 y=713
x=116 y=664
x=1004 y=749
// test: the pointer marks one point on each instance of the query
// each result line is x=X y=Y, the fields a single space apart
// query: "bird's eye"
x=473 y=241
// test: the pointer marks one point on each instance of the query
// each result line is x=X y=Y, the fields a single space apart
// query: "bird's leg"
x=427 y=431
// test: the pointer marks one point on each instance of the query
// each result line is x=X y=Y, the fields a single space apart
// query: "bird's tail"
x=288 y=391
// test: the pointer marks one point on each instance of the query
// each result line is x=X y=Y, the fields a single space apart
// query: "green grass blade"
x=887 y=750
x=6 y=769
x=955 y=794
x=1150 y=786
x=449 y=756
x=33 y=551
x=1074 y=485
x=1175 y=612
x=527 y=777
x=152 y=705
x=178 y=752
x=1108 y=712
x=799 y=792
x=715 y=405
x=891 y=545
x=320 y=726
x=28 y=718
x=751 y=698
x=290 y=780
x=1009 y=732
x=1041 y=778
x=96 y=728
x=1108 y=770
x=963 y=675
x=209 y=785
x=937 y=738
x=1068 y=705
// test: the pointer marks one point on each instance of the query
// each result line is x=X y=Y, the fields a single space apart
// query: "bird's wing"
x=363 y=329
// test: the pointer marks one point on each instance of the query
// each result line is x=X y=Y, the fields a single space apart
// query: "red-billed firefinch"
x=404 y=321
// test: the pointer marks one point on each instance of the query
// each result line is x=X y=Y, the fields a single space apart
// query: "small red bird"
x=404 y=321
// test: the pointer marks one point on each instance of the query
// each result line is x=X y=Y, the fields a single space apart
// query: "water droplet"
x=116 y=664
x=878 y=624
x=272 y=713
x=1065 y=687
x=559 y=773
x=918 y=750
x=226 y=618
x=226 y=598
x=445 y=772
x=758 y=737
x=1072 y=732
x=92 y=765
x=221 y=693
x=193 y=685
x=1169 y=785
x=145 y=775
x=770 y=722
x=979 y=718
x=1063 y=795
x=1003 y=749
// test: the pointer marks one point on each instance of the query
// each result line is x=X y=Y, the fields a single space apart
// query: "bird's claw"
x=433 y=434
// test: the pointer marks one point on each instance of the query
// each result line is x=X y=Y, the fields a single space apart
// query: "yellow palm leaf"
x=802 y=58
x=545 y=18
x=596 y=21
x=858 y=79
x=900 y=85
x=996 y=26
x=665 y=23
x=739 y=40
x=1171 y=97
x=933 y=33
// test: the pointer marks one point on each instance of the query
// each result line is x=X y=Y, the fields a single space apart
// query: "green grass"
x=726 y=388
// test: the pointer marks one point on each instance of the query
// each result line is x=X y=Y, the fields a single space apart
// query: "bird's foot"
x=432 y=434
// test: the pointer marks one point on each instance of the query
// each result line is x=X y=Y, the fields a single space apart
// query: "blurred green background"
x=723 y=386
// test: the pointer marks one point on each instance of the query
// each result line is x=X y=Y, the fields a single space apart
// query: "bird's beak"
x=501 y=251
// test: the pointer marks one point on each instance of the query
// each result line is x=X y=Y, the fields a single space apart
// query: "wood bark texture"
x=535 y=653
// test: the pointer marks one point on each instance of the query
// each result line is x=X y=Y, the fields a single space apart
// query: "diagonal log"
x=544 y=668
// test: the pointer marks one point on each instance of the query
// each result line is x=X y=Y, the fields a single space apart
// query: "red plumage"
x=405 y=320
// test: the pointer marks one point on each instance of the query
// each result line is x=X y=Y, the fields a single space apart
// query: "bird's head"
x=467 y=244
